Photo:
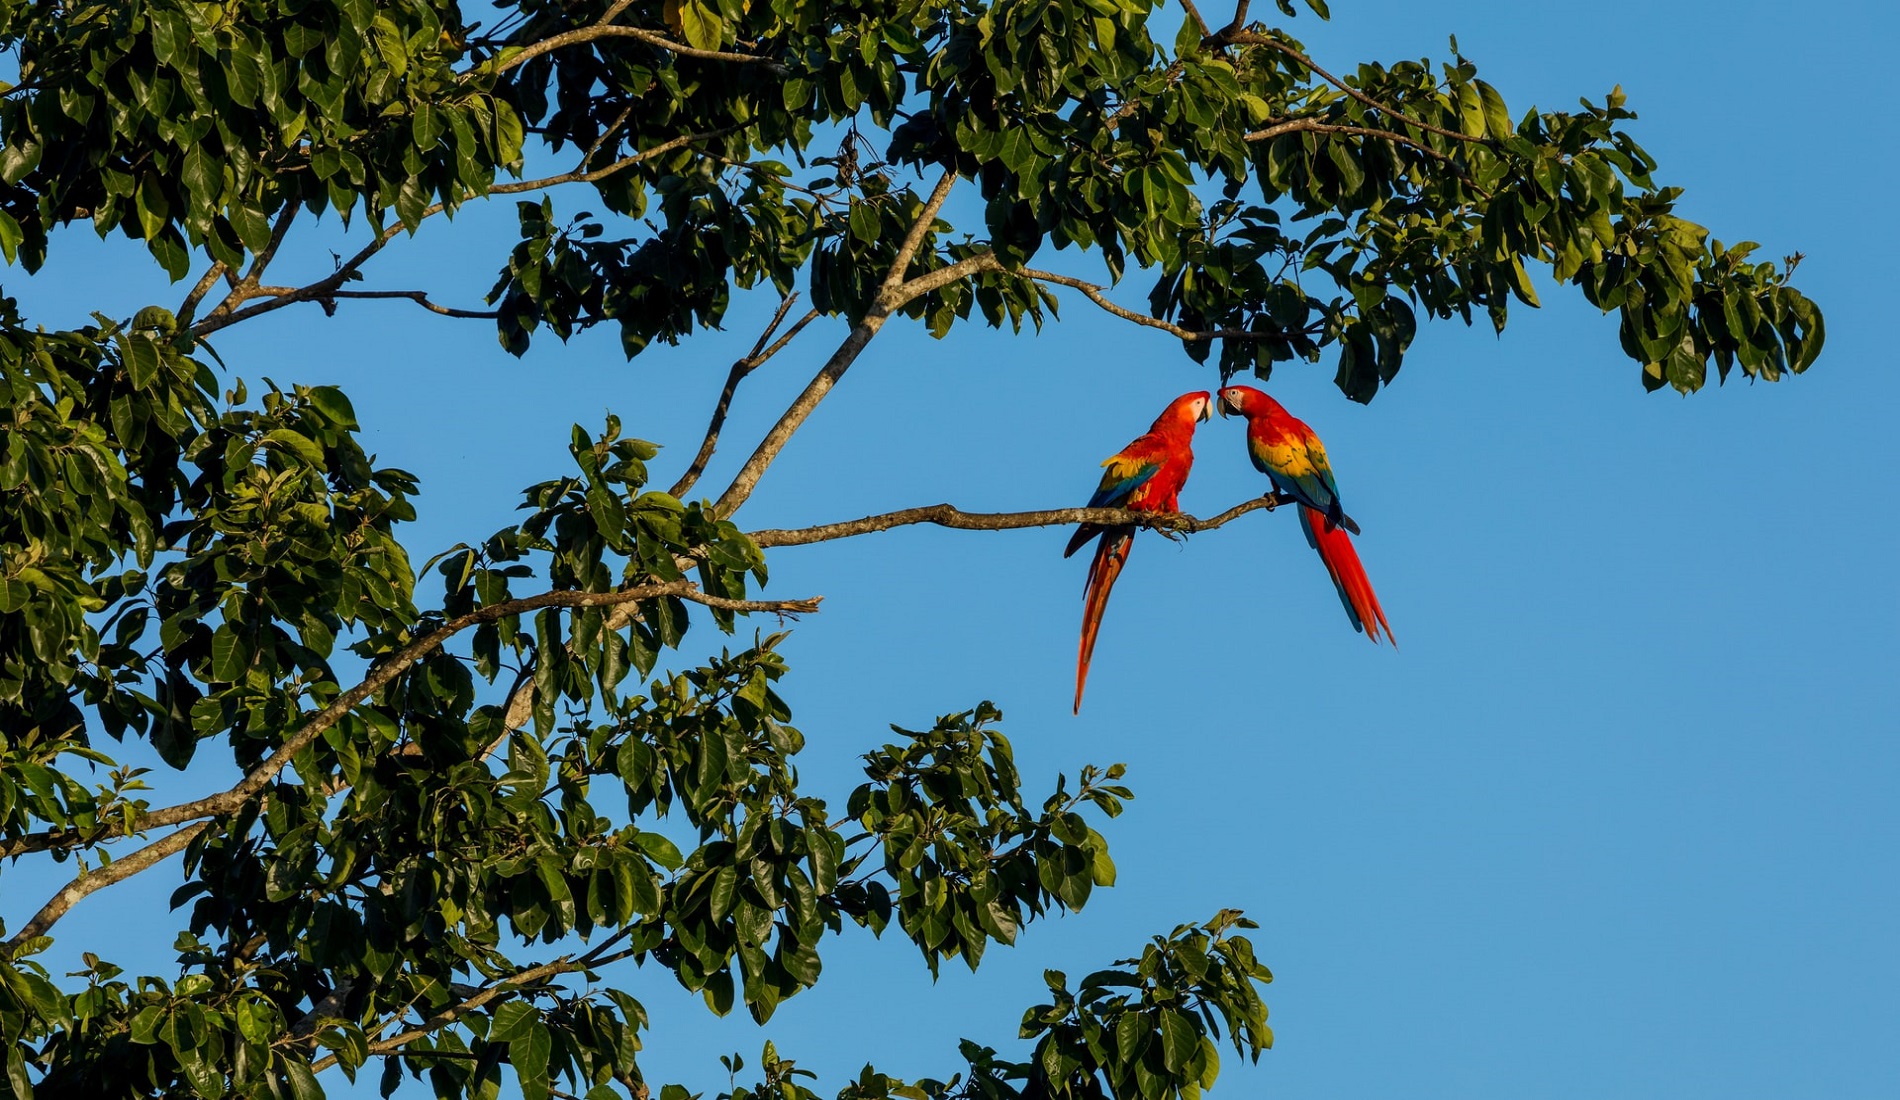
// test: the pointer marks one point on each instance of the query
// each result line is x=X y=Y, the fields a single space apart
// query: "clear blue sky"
x=1619 y=817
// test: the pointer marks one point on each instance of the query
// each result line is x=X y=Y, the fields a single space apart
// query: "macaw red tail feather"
x=1349 y=577
x=1110 y=555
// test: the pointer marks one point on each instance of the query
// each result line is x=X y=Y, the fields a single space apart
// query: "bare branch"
x=99 y=878
x=189 y=307
x=1233 y=35
x=246 y=287
x=254 y=782
x=420 y=298
x=276 y=298
x=945 y=515
x=1095 y=294
x=513 y=983
x=893 y=294
x=606 y=135
x=751 y=362
x=918 y=231
x=1194 y=13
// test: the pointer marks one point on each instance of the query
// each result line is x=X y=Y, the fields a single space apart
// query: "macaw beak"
x=1225 y=408
x=1206 y=413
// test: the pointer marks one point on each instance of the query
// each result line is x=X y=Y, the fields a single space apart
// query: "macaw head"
x=1248 y=402
x=1187 y=410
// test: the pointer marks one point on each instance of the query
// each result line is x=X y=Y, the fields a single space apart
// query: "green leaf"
x=659 y=849
x=511 y=1021
x=701 y=25
x=528 y=1054
x=10 y=237
x=1497 y=120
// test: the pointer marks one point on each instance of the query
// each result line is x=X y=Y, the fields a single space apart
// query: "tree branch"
x=1094 y=294
x=1238 y=21
x=566 y=964
x=932 y=280
x=99 y=878
x=946 y=515
x=420 y=298
x=189 y=307
x=254 y=782
x=919 y=229
x=1313 y=125
x=227 y=314
x=751 y=362
x=1233 y=35
x=604 y=29
x=1194 y=13
x=563 y=965
x=245 y=288
x=894 y=293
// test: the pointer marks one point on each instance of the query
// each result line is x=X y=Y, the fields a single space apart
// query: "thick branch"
x=944 y=276
x=946 y=515
x=894 y=293
x=753 y=360
x=99 y=878
x=388 y=669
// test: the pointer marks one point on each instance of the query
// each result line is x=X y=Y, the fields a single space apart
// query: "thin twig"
x=1094 y=294
x=946 y=515
x=752 y=361
x=421 y=298
x=327 y=287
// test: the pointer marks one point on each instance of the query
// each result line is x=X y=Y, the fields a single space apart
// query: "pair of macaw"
x=1147 y=476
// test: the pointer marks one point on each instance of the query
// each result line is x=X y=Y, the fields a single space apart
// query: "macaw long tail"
x=1110 y=555
x=1349 y=577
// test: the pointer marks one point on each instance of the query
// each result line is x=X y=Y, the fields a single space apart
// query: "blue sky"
x=1617 y=818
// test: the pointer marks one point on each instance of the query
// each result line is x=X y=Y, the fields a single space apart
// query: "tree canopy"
x=451 y=769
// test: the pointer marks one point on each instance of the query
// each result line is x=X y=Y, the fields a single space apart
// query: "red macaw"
x=1286 y=450
x=1145 y=476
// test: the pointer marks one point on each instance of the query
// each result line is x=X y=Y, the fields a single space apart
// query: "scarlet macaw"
x=1145 y=476
x=1286 y=450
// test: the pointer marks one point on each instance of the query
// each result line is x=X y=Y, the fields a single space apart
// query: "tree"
x=433 y=779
